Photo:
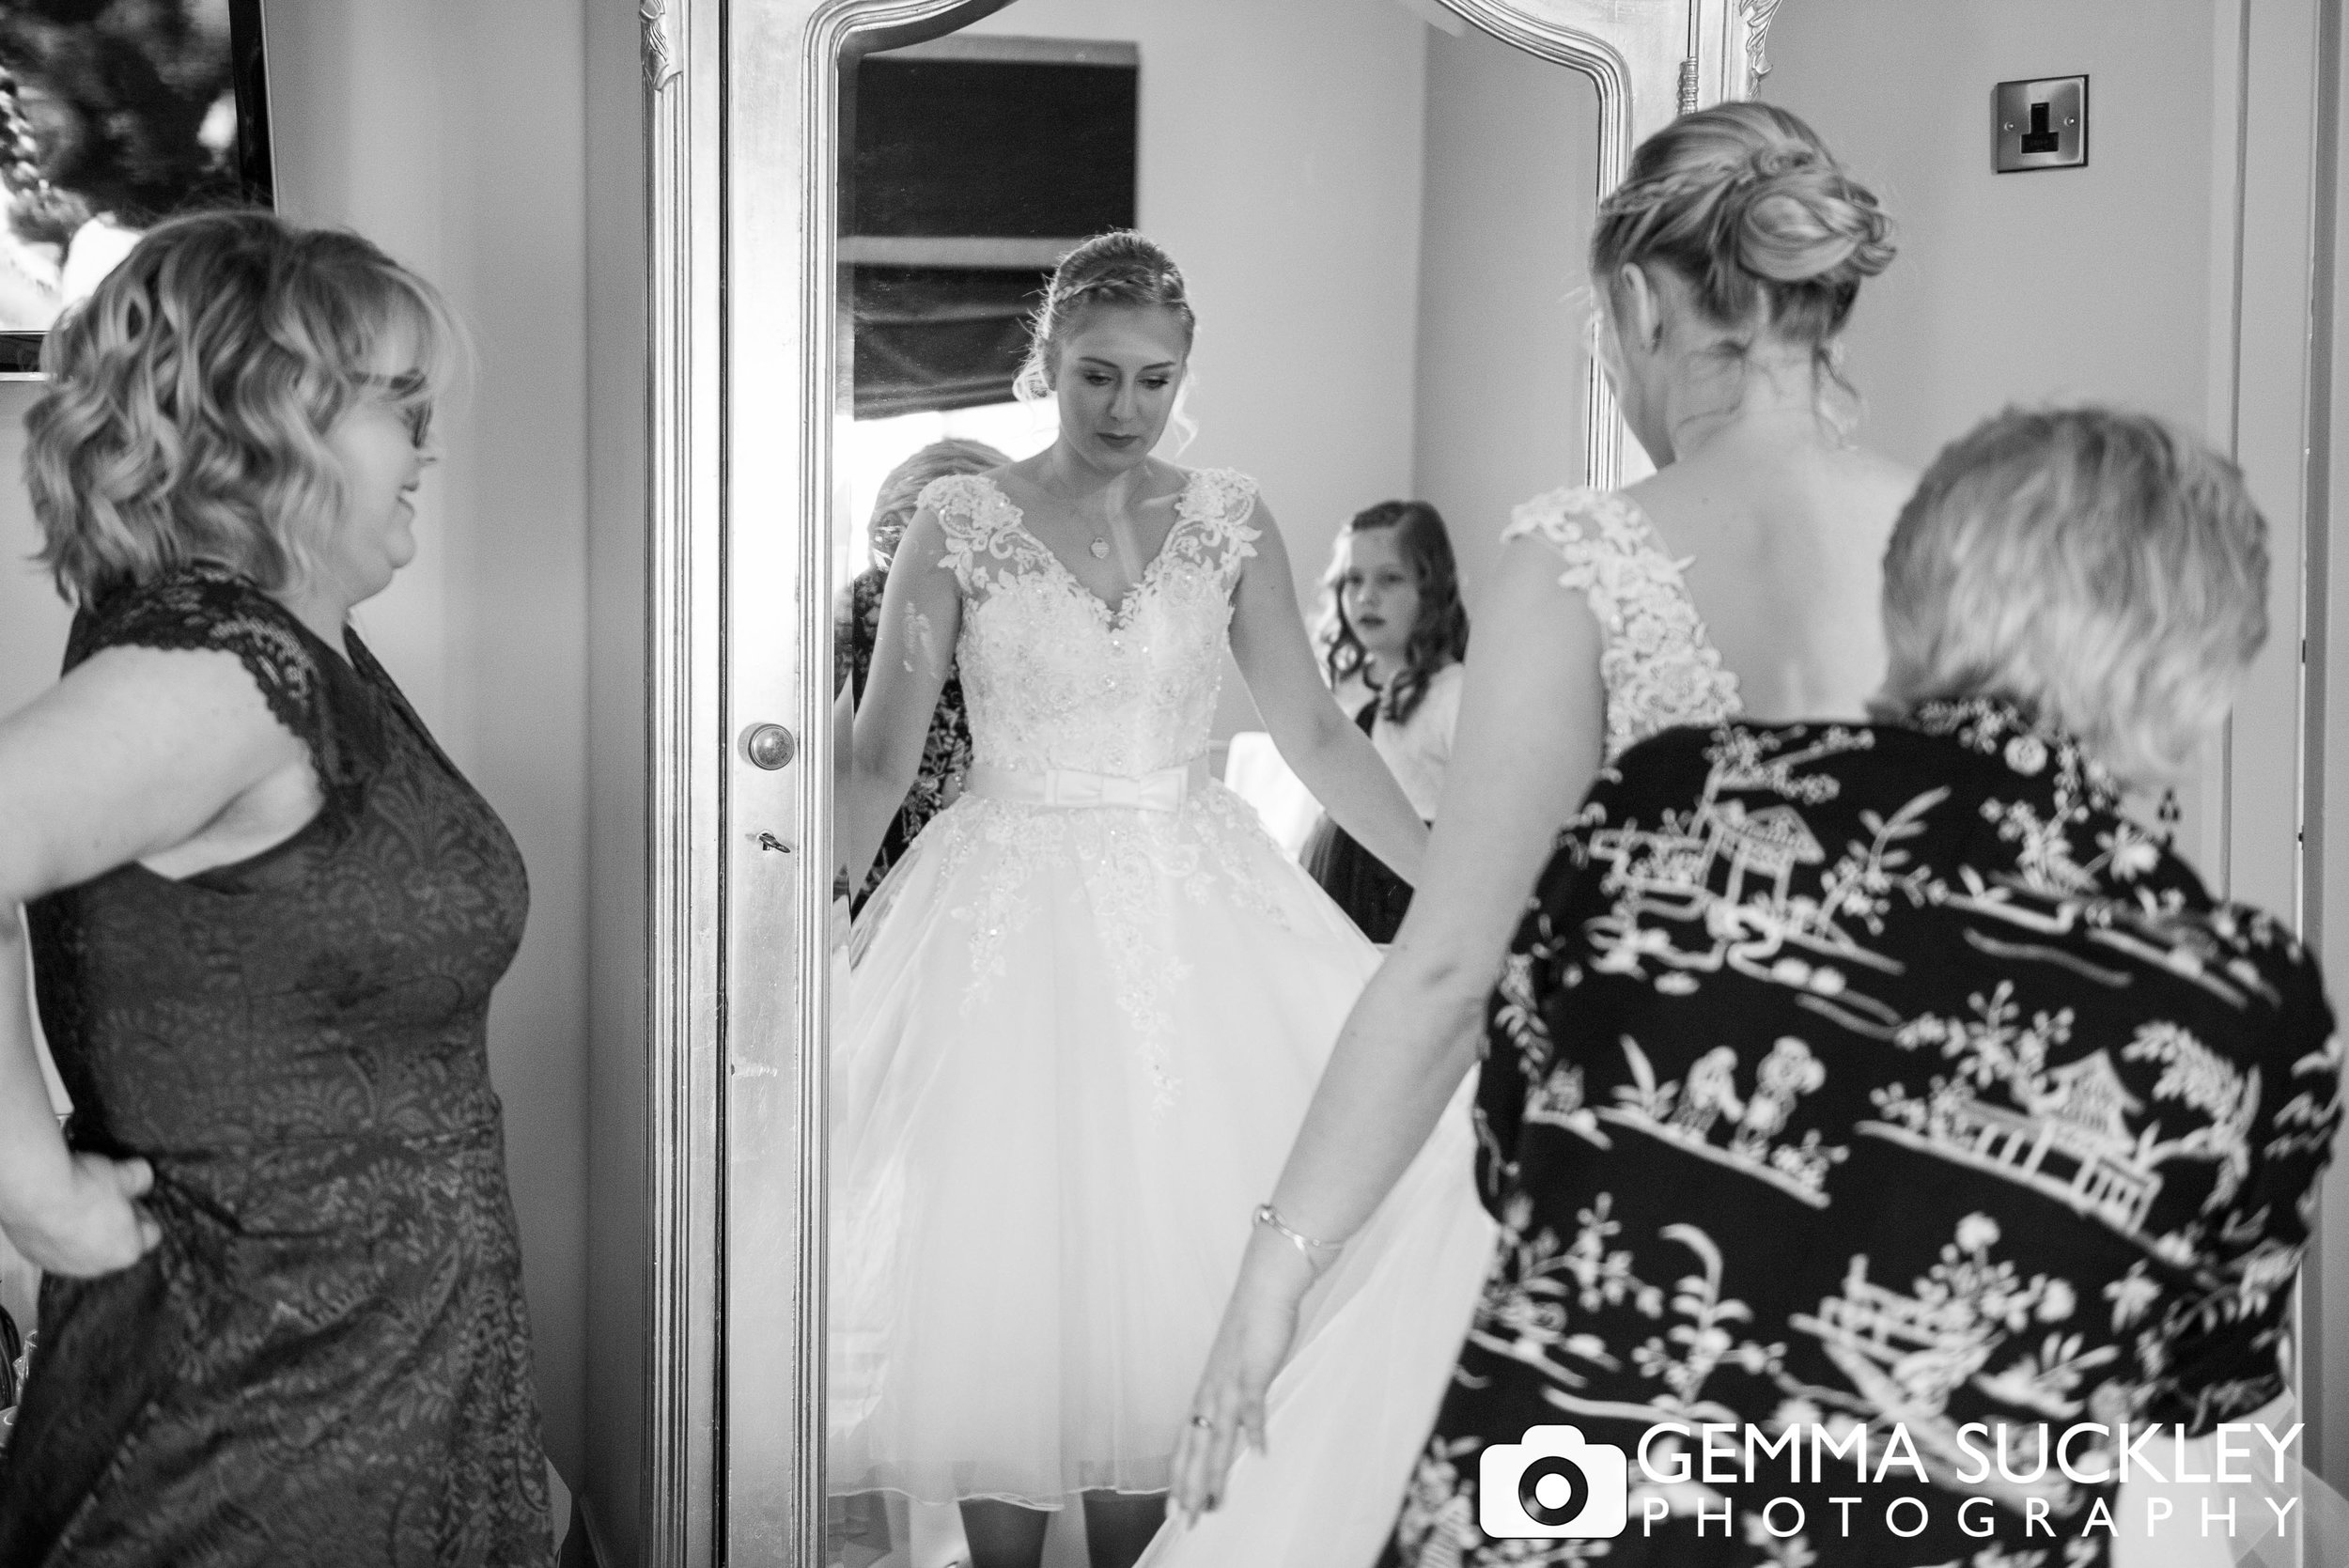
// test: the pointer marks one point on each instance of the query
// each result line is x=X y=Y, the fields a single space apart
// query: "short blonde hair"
x=190 y=398
x=2098 y=567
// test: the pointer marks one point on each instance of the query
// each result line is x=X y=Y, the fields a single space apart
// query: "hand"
x=95 y=1225
x=1259 y=1325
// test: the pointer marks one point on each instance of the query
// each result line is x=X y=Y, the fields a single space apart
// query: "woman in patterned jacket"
x=2015 y=1131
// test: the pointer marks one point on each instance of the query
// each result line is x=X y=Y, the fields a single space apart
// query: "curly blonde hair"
x=190 y=398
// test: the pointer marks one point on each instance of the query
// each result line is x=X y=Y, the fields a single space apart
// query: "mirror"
x=753 y=424
x=1380 y=213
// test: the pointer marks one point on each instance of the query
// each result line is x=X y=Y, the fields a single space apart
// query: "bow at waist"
x=1075 y=788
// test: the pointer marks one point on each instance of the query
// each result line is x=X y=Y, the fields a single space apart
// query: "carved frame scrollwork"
x=661 y=45
x=741 y=118
x=1757 y=16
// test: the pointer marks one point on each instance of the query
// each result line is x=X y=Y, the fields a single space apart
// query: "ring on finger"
x=1203 y=1422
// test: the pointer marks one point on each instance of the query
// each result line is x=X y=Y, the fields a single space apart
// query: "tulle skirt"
x=1347 y=1416
x=1077 y=1046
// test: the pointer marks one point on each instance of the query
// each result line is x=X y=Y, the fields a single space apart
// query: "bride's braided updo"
x=1746 y=204
x=1119 y=268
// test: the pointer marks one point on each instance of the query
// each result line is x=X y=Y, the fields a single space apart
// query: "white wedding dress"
x=1084 y=1017
x=1348 y=1414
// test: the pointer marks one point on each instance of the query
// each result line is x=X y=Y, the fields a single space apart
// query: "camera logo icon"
x=1552 y=1485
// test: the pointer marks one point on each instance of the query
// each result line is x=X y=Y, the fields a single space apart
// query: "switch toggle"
x=2039 y=124
x=2039 y=138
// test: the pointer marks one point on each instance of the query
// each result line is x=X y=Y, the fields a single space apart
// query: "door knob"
x=770 y=746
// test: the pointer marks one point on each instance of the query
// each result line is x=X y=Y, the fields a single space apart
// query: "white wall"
x=2087 y=283
x=1512 y=155
x=1280 y=165
x=453 y=133
x=610 y=1488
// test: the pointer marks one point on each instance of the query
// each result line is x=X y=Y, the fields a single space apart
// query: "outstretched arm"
x=1531 y=735
x=1327 y=751
x=921 y=618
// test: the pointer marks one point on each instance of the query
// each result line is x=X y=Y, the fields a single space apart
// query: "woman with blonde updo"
x=1741 y=579
x=282 y=1315
x=1087 y=1010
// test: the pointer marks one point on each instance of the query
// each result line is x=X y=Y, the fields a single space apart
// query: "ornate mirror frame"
x=741 y=148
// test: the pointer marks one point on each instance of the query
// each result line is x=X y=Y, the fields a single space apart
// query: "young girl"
x=1396 y=633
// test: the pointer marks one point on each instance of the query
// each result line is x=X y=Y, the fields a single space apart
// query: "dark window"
x=972 y=163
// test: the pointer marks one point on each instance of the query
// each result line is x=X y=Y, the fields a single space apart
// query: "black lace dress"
x=1878 y=1080
x=328 y=1358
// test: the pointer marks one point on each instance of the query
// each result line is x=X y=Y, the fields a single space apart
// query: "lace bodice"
x=1056 y=678
x=1659 y=664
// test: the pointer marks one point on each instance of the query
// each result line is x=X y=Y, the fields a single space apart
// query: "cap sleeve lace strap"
x=1214 y=514
x=1658 y=662
x=982 y=526
x=1599 y=537
x=212 y=608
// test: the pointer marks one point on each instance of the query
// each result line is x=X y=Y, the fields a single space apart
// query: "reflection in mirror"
x=1091 y=988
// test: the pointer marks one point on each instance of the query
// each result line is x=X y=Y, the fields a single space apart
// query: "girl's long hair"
x=1440 y=634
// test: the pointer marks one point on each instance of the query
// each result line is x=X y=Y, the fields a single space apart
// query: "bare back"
x=1784 y=549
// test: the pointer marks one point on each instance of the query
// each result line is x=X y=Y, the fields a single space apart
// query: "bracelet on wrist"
x=1269 y=1218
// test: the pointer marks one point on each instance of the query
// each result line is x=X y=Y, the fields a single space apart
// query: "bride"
x=1742 y=579
x=1087 y=1010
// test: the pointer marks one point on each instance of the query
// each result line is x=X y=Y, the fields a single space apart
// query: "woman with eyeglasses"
x=282 y=1315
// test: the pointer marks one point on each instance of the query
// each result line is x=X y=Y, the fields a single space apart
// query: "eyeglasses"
x=405 y=392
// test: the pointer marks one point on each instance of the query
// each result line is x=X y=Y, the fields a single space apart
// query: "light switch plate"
x=2041 y=124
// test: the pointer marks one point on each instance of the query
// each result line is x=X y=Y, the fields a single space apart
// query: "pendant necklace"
x=1100 y=545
